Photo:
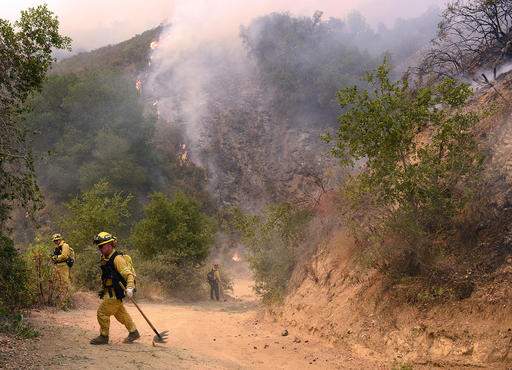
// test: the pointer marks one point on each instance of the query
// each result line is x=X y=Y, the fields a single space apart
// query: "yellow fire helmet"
x=56 y=237
x=103 y=238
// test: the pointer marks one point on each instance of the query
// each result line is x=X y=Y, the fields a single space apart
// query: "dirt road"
x=208 y=335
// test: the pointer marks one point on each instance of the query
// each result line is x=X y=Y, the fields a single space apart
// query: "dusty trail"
x=208 y=335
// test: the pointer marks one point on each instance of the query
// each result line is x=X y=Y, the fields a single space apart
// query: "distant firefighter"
x=63 y=257
x=213 y=278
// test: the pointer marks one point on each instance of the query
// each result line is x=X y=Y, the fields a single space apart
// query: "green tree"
x=13 y=277
x=173 y=239
x=25 y=57
x=304 y=59
x=175 y=228
x=418 y=149
x=95 y=127
x=98 y=209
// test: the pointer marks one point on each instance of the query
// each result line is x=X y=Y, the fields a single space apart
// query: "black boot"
x=100 y=339
x=134 y=335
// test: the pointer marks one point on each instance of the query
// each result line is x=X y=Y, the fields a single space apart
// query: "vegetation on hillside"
x=174 y=239
x=130 y=56
x=273 y=241
x=421 y=168
x=94 y=127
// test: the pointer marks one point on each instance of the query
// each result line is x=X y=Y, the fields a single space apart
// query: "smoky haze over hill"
x=254 y=95
x=97 y=23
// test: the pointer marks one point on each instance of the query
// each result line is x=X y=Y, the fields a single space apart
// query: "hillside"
x=129 y=56
x=464 y=321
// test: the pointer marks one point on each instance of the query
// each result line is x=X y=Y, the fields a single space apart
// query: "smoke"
x=237 y=126
x=478 y=82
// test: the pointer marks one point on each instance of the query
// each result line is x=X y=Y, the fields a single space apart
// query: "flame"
x=183 y=155
x=153 y=45
x=236 y=257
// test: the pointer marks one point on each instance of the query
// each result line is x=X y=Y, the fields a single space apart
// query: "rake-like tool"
x=159 y=337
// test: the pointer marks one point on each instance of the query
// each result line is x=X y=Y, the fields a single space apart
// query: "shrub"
x=186 y=281
x=14 y=291
x=98 y=209
x=272 y=240
x=173 y=240
x=421 y=166
x=15 y=323
x=41 y=285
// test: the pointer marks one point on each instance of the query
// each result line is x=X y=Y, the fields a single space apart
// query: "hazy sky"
x=95 y=23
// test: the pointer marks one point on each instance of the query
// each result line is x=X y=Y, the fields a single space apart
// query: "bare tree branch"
x=471 y=33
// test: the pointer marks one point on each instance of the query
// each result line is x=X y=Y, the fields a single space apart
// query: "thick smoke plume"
x=251 y=105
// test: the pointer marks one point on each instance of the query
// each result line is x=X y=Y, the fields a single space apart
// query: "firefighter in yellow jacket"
x=114 y=270
x=61 y=258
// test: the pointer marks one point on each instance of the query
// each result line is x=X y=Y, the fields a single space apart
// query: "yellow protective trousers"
x=113 y=306
x=62 y=282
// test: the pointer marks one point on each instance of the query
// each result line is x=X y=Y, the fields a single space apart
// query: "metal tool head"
x=161 y=337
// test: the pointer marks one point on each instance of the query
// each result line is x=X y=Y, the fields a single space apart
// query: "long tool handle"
x=142 y=313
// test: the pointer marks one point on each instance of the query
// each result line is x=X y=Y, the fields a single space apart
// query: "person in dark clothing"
x=214 y=281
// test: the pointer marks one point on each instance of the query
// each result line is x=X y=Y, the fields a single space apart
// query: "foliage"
x=421 y=160
x=272 y=240
x=95 y=127
x=16 y=324
x=25 y=57
x=13 y=277
x=471 y=33
x=40 y=275
x=98 y=209
x=176 y=228
x=174 y=239
x=186 y=281
x=131 y=56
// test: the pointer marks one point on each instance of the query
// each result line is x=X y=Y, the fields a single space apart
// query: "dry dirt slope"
x=352 y=311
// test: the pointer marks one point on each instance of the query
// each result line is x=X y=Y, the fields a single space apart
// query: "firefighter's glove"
x=129 y=292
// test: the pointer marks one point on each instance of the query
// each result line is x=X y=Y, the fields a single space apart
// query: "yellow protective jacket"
x=61 y=252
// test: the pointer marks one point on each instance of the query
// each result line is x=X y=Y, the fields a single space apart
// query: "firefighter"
x=214 y=281
x=63 y=260
x=114 y=270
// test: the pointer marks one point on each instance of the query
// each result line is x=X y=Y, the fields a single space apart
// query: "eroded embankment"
x=338 y=302
x=335 y=298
